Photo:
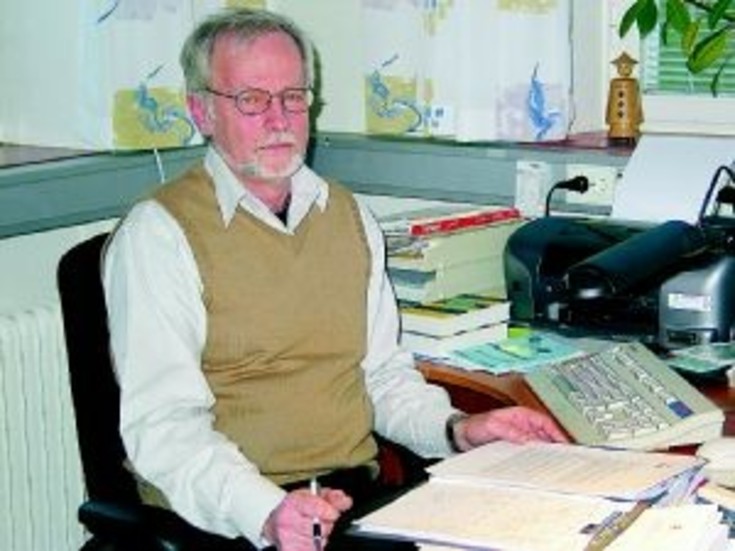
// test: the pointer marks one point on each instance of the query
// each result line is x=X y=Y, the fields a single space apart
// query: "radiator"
x=41 y=484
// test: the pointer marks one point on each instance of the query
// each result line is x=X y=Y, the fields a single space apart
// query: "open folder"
x=536 y=496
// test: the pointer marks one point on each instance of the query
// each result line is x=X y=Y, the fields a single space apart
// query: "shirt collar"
x=307 y=188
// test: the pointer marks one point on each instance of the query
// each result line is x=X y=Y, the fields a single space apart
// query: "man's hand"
x=514 y=424
x=289 y=527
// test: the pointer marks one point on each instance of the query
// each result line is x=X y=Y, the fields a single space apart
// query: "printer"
x=669 y=284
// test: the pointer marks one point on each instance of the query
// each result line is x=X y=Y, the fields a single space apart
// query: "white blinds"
x=664 y=71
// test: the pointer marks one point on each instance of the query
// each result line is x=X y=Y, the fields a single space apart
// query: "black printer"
x=671 y=284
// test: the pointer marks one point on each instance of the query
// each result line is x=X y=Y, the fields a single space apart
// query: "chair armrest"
x=136 y=527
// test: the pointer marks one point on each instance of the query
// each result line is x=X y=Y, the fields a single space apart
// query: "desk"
x=476 y=391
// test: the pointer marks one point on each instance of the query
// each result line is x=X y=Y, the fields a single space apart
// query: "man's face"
x=268 y=147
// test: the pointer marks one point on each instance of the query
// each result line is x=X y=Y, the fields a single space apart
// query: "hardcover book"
x=448 y=281
x=453 y=315
x=445 y=219
x=436 y=251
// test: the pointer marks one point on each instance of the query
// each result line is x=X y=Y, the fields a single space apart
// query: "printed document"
x=493 y=517
x=619 y=474
x=535 y=496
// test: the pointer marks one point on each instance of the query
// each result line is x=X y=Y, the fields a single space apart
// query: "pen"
x=316 y=526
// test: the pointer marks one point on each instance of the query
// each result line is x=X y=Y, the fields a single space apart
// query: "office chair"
x=114 y=513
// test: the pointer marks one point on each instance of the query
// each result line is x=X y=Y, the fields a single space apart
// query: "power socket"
x=602 y=184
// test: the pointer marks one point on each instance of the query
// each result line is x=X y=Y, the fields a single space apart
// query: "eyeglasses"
x=254 y=101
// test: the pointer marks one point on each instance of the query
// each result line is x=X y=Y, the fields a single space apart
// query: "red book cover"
x=461 y=221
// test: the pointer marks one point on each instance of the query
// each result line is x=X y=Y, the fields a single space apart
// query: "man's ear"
x=200 y=111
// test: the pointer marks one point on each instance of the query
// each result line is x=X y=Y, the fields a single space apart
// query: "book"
x=534 y=496
x=445 y=219
x=437 y=251
x=448 y=281
x=453 y=315
x=440 y=347
x=628 y=475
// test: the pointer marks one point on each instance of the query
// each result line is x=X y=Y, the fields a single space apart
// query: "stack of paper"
x=536 y=496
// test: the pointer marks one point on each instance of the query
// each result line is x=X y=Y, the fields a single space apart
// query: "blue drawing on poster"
x=387 y=105
x=159 y=118
x=541 y=119
x=109 y=12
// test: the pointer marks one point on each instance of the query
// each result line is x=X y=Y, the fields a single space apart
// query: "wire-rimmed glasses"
x=255 y=101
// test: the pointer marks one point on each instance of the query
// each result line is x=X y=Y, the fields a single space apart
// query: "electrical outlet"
x=533 y=180
x=602 y=184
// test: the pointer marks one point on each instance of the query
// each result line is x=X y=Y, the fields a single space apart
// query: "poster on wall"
x=99 y=74
x=474 y=70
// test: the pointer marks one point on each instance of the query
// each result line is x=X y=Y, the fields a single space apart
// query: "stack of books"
x=441 y=252
x=437 y=329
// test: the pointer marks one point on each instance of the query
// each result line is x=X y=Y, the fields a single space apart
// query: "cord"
x=580 y=184
x=159 y=166
x=711 y=189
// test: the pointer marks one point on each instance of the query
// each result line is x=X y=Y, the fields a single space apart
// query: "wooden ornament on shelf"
x=624 y=112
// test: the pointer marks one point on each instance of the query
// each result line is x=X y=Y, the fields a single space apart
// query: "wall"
x=28 y=277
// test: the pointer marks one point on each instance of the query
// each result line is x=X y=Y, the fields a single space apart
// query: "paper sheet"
x=620 y=474
x=683 y=528
x=494 y=517
x=667 y=177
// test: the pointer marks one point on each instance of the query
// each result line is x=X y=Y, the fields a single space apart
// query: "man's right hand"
x=290 y=525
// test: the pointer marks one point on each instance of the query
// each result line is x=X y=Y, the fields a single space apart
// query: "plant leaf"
x=718 y=11
x=715 y=82
x=664 y=33
x=677 y=15
x=647 y=17
x=708 y=51
x=689 y=37
x=629 y=17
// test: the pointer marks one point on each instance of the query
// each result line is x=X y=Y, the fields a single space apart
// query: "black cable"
x=580 y=184
x=711 y=189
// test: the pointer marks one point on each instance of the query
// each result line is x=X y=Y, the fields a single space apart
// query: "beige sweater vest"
x=286 y=330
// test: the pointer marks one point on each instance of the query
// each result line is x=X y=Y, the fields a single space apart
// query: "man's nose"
x=276 y=115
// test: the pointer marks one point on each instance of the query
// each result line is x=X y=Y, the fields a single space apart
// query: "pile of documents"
x=555 y=497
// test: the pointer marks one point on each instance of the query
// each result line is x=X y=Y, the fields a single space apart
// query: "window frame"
x=668 y=113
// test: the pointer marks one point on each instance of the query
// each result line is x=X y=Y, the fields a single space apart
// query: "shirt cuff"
x=251 y=503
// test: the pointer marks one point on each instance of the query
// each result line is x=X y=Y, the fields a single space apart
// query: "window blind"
x=664 y=72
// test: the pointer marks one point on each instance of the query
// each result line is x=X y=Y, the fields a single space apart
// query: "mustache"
x=279 y=138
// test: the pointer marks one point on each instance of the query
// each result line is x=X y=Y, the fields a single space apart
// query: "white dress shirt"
x=158 y=329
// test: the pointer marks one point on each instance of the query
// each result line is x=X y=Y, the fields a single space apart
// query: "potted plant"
x=705 y=30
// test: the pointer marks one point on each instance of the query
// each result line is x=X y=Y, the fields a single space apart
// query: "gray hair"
x=245 y=24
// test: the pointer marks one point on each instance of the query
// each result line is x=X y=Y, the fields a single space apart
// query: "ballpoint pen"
x=316 y=526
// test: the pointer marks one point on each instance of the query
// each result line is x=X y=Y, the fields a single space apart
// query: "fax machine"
x=671 y=284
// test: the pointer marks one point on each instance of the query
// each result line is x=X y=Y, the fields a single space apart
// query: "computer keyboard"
x=625 y=397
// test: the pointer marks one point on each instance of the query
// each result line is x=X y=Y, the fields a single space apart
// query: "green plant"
x=705 y=30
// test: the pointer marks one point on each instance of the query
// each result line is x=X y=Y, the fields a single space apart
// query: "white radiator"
x=41 y=484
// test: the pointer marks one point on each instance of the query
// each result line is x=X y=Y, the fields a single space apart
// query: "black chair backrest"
x=95 y=392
